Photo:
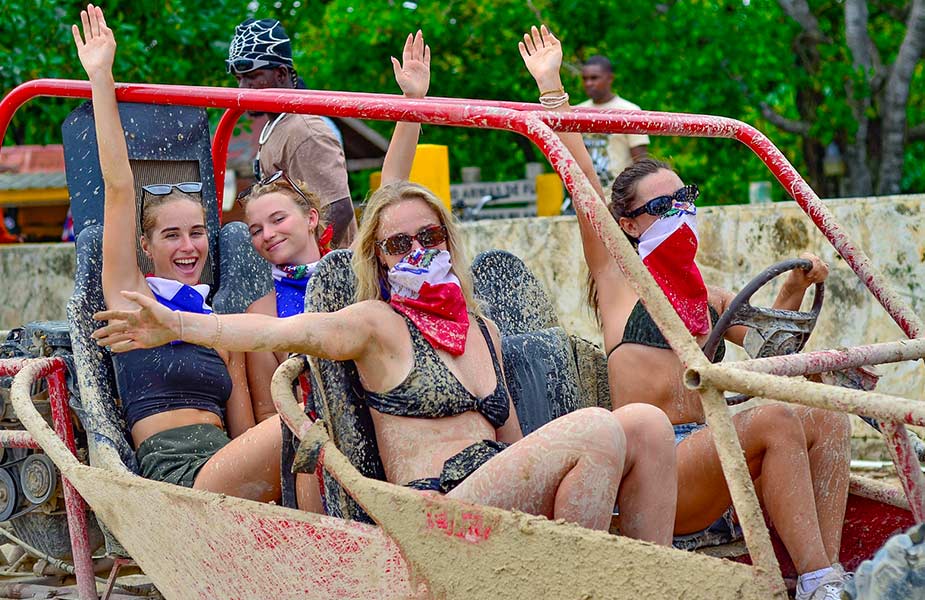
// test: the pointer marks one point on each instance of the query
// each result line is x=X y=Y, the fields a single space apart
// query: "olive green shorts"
x=176 y=455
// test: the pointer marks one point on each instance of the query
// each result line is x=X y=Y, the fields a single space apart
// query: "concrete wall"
x=736 y=243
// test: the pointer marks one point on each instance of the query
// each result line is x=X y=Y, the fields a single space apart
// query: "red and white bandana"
x=668 y=249
x=424 y=289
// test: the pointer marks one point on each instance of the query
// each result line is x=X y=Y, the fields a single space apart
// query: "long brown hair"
x=370 y=273
x=622 y=196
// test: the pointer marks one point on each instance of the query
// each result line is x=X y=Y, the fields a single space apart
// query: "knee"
x=778 y=423
x=646 y=426
x=599 y=430
x=829 y=426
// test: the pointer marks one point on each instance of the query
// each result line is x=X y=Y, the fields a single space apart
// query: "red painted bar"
x=54 y=371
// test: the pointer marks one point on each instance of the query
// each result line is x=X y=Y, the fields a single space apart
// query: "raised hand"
x=413 y=72
x=800 y=279
x=152 y=325
x=542 y=54
x=97 y=48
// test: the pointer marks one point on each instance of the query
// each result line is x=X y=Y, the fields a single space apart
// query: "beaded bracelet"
x=554 y=101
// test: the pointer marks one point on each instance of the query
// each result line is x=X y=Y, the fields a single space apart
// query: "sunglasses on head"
x=660 y=205
x=282 y=175
x=162 y=189
x=400 y=243
x=244 y=65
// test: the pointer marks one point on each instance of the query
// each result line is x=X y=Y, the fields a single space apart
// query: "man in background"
x=610 y=153
x=305 y=147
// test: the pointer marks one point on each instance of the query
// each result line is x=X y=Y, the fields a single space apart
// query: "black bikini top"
x=431 y=390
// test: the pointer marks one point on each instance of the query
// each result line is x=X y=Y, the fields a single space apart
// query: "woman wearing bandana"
x=178 y=399
x=430 y=364
x=798 y=456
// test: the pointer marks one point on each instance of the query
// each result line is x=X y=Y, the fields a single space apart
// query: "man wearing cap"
x=303 y=146
x=610 y=153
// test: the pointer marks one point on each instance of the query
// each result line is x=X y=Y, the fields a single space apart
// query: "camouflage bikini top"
x=431 y=390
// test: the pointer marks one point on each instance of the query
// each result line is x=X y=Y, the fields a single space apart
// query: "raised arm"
x=96 y=50
x=413 y=77
x=542 y=55
x=347 y=334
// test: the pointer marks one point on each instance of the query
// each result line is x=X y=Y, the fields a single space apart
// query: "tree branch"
x=857 y=37
x=799 y=11
x=782 y=122
x=896 y=98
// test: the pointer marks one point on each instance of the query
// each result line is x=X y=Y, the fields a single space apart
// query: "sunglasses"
x=661 y=205
x=162 y=189
x=244 y=65
x=400 y=243
x=273 y=179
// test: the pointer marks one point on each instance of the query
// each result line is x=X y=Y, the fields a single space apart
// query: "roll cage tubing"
x=758 y=377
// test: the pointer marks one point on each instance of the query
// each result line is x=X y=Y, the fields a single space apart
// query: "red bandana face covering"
x=424 y=289
x=668 y=249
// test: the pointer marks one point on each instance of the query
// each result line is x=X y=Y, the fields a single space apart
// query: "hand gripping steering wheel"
x=772 y=331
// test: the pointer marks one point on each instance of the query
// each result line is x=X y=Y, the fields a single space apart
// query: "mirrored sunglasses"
x=400 y=243
x=659 y=206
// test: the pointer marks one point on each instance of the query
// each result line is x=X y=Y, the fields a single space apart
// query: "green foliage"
x=719 y=57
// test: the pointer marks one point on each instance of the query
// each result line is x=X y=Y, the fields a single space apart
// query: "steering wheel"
x=772 y=331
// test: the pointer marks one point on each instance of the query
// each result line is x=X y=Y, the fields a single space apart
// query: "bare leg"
x=248 y=467
x=308 y=495
x=775 y=448
x=647 y=498
x=828 y=435
x=568 y=469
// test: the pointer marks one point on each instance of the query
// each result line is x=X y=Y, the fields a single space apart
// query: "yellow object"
x=549 y=195
x=375 y=180
x=32 y=197
x=431 y=168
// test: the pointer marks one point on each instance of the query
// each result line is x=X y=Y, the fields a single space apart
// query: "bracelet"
x=213 y=343
x=560 y=90
x=180 y=317
x=552 y=102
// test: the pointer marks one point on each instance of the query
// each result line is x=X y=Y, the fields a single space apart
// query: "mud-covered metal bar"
x=808 y=393
x=821 y=361
x=889 y=409
x=17 y=439
x=75 y=507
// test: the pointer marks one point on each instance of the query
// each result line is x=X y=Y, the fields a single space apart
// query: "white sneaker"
x=830 y=588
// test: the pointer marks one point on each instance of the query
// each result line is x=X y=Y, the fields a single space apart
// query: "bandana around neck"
x=667 y=249
x=424 y=289
x=179 y=296
x=290 y=282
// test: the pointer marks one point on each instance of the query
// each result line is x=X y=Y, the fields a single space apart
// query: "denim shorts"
x=721 y=531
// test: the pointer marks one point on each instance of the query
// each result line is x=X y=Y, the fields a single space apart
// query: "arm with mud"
x=343 y=335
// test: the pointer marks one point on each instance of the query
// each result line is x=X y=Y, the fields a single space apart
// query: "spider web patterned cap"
x=259 y=44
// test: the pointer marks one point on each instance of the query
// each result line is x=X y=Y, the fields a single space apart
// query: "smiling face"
x=177 y=242
x=663 y=182
x=281 y=231
x=409 y=217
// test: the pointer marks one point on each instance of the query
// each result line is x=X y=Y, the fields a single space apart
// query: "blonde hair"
x=151 y=205
x=369 y=272
x=282 y=186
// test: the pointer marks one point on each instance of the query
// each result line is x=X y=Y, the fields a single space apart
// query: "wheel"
x=772 y=331
x=38 y=477
x=9 y=497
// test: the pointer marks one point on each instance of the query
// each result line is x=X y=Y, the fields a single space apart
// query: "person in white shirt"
x=610 y=153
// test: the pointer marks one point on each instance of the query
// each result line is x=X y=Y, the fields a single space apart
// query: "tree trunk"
x=895 y=99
